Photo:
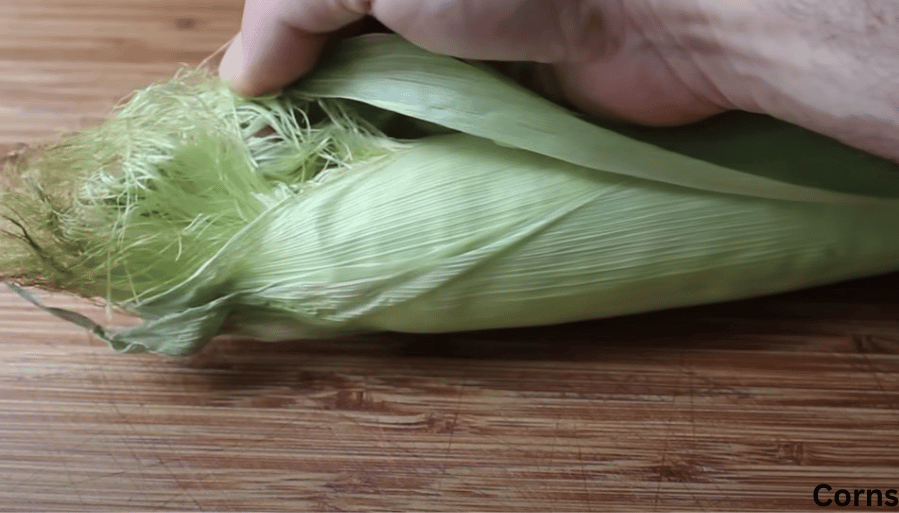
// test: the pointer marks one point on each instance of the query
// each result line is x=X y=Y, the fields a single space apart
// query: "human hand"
x=592 y=54
x=829 y=65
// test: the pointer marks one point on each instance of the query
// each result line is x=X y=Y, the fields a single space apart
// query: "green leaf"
x=390 y=73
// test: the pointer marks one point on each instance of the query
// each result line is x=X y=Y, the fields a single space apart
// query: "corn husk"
x=399 y=190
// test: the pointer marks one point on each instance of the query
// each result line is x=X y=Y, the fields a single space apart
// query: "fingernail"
x=231 y=67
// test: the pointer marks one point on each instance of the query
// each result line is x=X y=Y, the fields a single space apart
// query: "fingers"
x=507 y=30
x=581 y=52
x=280 y=40
x=253 y=69
x=645 y=90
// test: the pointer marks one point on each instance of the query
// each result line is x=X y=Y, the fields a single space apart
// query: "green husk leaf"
x=385 y=71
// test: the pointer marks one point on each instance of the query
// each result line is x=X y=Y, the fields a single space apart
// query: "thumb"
x=253 y=70
x=279 y=41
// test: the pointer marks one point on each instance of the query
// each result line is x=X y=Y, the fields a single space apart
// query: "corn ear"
x=503 y=210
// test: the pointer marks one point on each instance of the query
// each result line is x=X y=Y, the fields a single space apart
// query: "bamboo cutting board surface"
x=744 y=406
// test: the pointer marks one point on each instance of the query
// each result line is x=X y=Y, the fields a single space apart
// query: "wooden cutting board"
x=745 y=406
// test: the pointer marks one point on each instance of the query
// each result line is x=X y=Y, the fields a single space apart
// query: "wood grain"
x=745 y=406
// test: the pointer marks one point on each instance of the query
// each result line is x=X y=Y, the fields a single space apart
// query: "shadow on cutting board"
x=859 y=317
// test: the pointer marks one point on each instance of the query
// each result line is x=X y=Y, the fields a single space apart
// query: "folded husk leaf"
x=395 y=189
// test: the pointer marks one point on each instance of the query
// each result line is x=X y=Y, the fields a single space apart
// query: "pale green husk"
x=448 y=199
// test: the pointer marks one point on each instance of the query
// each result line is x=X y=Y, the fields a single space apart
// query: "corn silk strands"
x=395 y=189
